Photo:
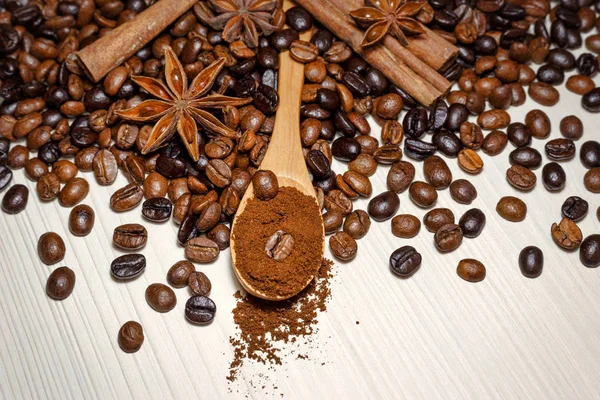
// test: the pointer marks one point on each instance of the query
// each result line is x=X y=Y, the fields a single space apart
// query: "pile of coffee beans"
x=55 y=122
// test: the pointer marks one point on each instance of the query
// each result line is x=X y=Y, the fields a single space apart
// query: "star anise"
x=242 y=20
x=179 y=108
x=388 y=16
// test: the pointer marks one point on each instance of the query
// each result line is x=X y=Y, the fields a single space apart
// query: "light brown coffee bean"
x=469 y=161
x=422 y=194
x=538 y=124
x=178 y=275
x=130 y=236
x=580 y=84
x=463 y=191
x=494 y=119
x=543 y=93
x=448 y=238
x=405 y=226
x=81 y=220
x=343 y=246
x=201 y=250
x=280 y=245
x=105 y=167
x=265 y=185
x=48 y=186
x=51 y=248
x=126 y=198
x=357 y=224
x=65 y=170
x=566 y=234
x=332 y=220
x=512 y=209
x=74 y=191
x=471 y=270
x=591 y=180
x=520 y=177
x=131 y=337
x=436 y=172
x=161 y=297
x=155 y=185
x=437 y=218
x=304 y=52
x=61 y=283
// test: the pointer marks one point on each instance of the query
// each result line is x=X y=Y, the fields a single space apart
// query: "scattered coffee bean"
x=448 y=238
x=15 y=199
x=566 y=234
x=384 y=206
x=178 y=274
x=471 y=270
x=472 y=223
x=81 y=220
x=575 y=208
x=201 y=250
x=200 y=310
x=531 y=261
x=463 y=191
x=332 y=220
x=554 y=177
x=5 y=177
x=405 y=226
x=357 y=224
x=126 y=198
x=511 y=209
x=527 y=157
x=61 y=283
x=571 y=127
x=437 y=218
x=51 y=248
x=589 y=154
x=157 y=209
x=589 y=252
x=422 y=194
x=128 y=266
x=130 y=236
x=343 y=246
x=560 y=149
x=131 y=337
x=521 y=178
x=400 y=176
x=538 y=124
x=199 y=284
x=469 y=161
x=74 y=191
x=405 y=261
x=161 y=297
x=591 y=180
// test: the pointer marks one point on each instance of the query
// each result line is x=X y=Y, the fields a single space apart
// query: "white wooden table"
x=428 y=337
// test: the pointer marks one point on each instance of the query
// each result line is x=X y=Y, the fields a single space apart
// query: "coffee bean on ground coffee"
x=294 y=213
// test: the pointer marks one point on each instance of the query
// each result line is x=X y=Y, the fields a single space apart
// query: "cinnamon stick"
x=118 y=45
x=404 y=69
x=429 y=47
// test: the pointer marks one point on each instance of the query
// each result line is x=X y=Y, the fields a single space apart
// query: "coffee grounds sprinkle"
x=294 y=213
x=263 y=325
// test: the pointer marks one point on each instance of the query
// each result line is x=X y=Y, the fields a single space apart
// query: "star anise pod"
x=179 y=108
x=242 y=20
x=388 y=16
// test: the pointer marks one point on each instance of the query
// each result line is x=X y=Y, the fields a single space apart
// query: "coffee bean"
x=538 y=124
x=566 y=234
x=571 y=127
x=511 y=209
x=554 y=177
x=580 y=84
x=463 y=191
x=437 y=173
x=550 y=74
x=383 y=206
x=15 y=199
x=130 y=236
x=447 y=143
x=81 y=220
x=575 y=208
x=126 y=198
x=345 y=149
x=418 y=149
x=61 y=283
x=343 y=246
x=405 y=261
x=265 y=185
x=131 y=334
x=589 y=154
x=5 y=177
x=178 y=274
x=472 y=223
x=437 y=218
x=48 y=186
x=405 y=226
x=422 y=194
x=469 y=161
x=357 y=224
x=364 y=164
x=448 y=238
x=591 y=100
x=494 y=119
x=591 y=180
x=531 y=261
x=157 y=209
x=65 y=170
x=304 y=52
x=199 y=284
x=201 y=250
x=200 y=310
x=527 y=157
x=400 y=176
x=518 y=134
x=128 y=266
x=280 y=245
x=589 y=252
x=471 y=270
x=74 y=191
x=494 y=143
x=219 y=173
x=560 y=149
x=220 y=234
x=161 y=297
x=155 y=185
x=521 y=178
x=51 y=248
x=332 y=220
x=457 y=114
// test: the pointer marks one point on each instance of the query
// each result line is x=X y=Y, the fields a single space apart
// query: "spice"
x=264 y=325
x=298 y=216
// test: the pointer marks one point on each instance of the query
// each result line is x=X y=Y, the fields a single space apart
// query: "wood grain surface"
x=433 y=336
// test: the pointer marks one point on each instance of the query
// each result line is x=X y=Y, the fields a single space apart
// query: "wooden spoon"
x=284 y=156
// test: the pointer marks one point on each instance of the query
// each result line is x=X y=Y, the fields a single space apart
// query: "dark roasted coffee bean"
x=463 y=191
x=415 y=123
x=472 y=223
x=437 y=218
x=157 y=209
x=187 y=229
x=81 y=220
x=265 y=185
x=128 y=266
x=15 y=199
x=357 y=224
x=560 y=149
x=437 y=173
x=531 y=261
x=201 y=250
x=178 y=274
x=494 y=143
x=5 y=177
x=131 y=335
x=591 y=100
x=519 y=134
x=171 y=167
x=511 y=209
x=130 y=236
x=422 y=194
x=471 y=270
x=587 y=64
x=161 y=297
x=9 y=39
x=589 y=154
x=356 y=84
x=345 y=149
x=384 y=206
x=323 y=39
x=554 y=177
x=448 y=238
x=199 y=284
x=299 y=19
x=589 y=252
x=457 y=114
x=343 y=246
x=571 y=127
x=527 y=157
x=418 y=149
x=405 y=261
x=575 y=208
x=200 y=310
x=550 y=74
x=283 y=39
x=566 y=234
x=521 y=178
x=61 y=283
x=49 y=153
x=51 y=248
x=447 y=143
